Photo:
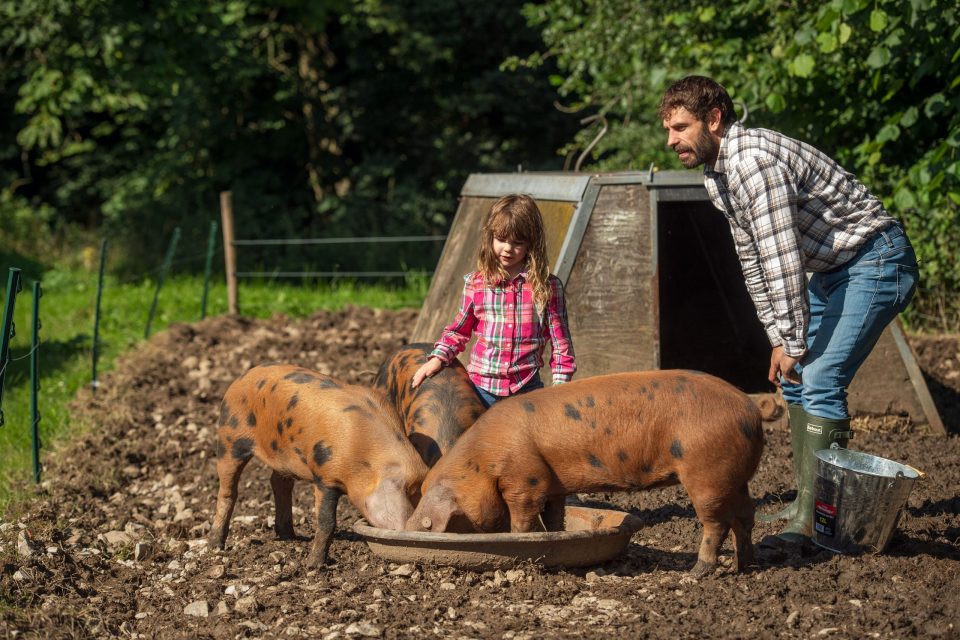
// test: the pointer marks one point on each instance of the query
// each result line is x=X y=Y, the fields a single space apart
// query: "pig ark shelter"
x=653 y=282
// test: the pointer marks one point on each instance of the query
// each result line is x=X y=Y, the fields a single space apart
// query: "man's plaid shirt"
x=510 y=335
x=792 y=209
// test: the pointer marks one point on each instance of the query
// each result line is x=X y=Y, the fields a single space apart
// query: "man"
x=793 y=210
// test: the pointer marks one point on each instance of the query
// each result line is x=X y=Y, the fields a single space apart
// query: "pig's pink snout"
x=388 y=506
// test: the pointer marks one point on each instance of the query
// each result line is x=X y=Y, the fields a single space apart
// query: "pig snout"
x=419 y=523
x=439 y=511
x=425 y=518
x=388 y=506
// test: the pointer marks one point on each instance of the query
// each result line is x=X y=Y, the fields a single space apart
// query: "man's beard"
x=704 y=148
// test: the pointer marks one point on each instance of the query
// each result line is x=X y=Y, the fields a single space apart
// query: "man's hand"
x=783 y=365
x=428 y=370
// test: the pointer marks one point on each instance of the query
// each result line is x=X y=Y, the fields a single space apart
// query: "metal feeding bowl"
x=592 y=536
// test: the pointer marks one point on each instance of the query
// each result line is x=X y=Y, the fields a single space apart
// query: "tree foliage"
x=871 y=82
x=364 y=116
x=324 y=117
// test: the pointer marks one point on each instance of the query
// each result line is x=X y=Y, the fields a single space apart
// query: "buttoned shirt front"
x=791 y=209
x=511 y=335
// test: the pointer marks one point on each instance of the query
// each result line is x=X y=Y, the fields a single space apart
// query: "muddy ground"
x=113 y=544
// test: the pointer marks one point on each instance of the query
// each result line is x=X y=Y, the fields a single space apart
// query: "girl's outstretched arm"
x=456 y=335
x=563 y=364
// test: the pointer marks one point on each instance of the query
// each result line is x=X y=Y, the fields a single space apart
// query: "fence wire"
x=344 y=240
x=327 y=274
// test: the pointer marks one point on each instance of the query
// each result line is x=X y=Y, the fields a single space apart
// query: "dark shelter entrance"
x=707 y=319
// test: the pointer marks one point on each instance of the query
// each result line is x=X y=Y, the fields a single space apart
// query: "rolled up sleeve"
x=563 y=363
x=456 y=335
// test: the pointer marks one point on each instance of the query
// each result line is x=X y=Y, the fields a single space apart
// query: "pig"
x=437 y=412
x=309 y=426
x=616 y=432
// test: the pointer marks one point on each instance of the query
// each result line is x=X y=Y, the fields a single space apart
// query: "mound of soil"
x=113 y=545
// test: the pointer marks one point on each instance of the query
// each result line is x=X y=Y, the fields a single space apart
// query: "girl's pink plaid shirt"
x=510 y=335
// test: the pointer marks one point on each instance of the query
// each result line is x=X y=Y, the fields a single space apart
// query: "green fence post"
x=96 y=316
x=35 y=382
x=7 y=331
x=211 y=241
x=163 y=272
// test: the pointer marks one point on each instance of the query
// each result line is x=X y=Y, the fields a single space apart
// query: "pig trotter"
x=743 y=557
x=702 y=569
x=217 y=538
x=316 y=558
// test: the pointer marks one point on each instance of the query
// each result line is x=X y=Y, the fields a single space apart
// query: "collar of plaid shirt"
x=719 y=167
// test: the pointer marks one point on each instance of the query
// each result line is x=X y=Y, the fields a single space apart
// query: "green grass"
x=66 y=335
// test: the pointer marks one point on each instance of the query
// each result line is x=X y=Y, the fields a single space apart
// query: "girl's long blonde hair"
x=517 y=217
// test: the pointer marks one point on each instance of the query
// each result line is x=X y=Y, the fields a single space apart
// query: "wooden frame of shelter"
x=652 y=281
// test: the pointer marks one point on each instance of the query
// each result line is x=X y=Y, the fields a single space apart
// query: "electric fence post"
x=35 y=382
x=96 y=316
x=8 y=331
x=211 y=243
x=168 y=259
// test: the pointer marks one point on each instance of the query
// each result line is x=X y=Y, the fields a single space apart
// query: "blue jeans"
x=850 y=306
x=489 y=399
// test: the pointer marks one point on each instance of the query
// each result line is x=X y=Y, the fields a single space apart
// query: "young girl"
x=513 y=304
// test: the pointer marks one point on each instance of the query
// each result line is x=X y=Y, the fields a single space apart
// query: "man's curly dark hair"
x=698 y=95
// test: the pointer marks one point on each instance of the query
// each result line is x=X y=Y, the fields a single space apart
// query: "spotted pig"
x=617 y=432
x=437 y=412
x=308 y=426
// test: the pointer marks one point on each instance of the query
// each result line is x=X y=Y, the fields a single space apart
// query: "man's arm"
x=769 y=194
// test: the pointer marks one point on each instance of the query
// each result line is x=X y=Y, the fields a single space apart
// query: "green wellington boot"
x=818 y=433
x=797 y=419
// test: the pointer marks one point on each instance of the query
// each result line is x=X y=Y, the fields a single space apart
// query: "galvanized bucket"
x=857 y=500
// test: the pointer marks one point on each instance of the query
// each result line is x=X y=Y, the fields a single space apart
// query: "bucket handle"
x=900 y=476
x=920 y=474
